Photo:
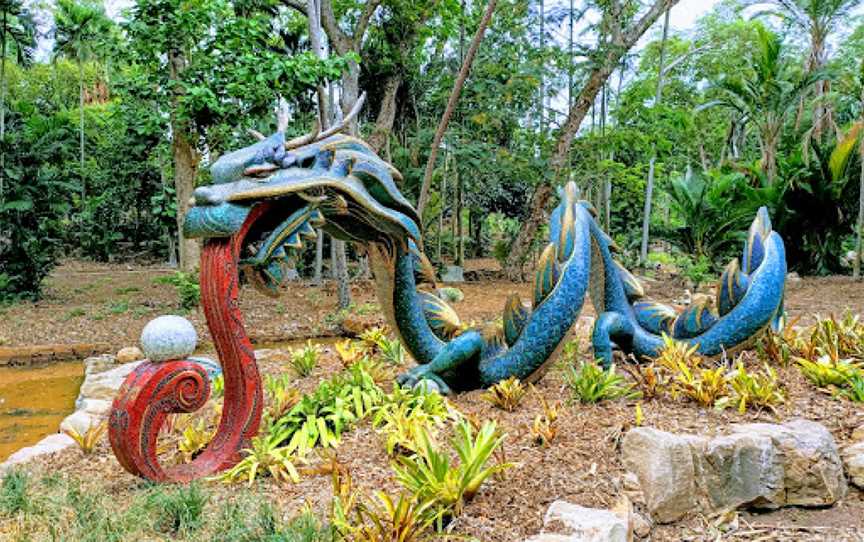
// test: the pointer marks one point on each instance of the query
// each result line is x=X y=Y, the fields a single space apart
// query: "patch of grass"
x=118 y=307
x=127 y=290
x=77 y=312
x=179 y=511
x=14 y=493
x=187 y=288
x=93 y=521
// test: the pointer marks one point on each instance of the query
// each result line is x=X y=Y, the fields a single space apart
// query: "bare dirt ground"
x=582 y=465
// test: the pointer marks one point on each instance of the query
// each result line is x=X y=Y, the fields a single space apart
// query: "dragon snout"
x=206 y=196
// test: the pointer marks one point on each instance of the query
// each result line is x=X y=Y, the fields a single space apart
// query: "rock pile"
x=757 y=465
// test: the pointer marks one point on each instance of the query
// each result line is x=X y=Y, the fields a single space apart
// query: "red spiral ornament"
x=156 y=389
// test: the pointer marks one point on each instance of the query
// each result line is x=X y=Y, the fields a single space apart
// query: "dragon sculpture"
x=266 y=199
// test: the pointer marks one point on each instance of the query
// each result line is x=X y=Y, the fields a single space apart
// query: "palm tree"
x=766 y=95
x=840 y=159
x=17 y=37
x=78 y=28
x=818 y=19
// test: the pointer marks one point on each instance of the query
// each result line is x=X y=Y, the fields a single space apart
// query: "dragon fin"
x=632 y=287
x=423 y=269
x=754 y=247
x=654 y=317
x=731 y=288
x=548 y=271
x=567 y=235
x=696 y=319
x=515 y=316
x=441 y=317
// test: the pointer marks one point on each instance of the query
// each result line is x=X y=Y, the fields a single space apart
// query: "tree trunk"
x=340 y=264
x=81 y=125
x=457 y=204
x=623 y=41
x=856 y=270
x=649 y=186
x=319 y=257
x=186 y=161
x=386 y=115
x=451 y=105
x=3 y=114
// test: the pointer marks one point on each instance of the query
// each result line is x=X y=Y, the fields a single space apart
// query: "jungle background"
x=108 y=123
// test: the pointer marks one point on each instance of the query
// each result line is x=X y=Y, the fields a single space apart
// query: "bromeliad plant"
x=506 y=394
x=406 y=413
x=89 y=439
x=304 y=360
x=754 y=389
x=590 y=383
x=545 y=427
x=431 y=475
x=268 y=455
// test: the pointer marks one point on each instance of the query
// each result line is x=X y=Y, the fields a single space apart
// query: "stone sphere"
x=168 y=338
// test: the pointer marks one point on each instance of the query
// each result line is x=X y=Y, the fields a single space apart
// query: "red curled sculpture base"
x=154 y=390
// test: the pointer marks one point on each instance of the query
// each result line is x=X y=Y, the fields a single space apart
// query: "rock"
x=427 y=386
x=853 y=460
x=129 y=354
x=858 y=434
x=641 y=525
x=756 y=466
x=577 y=523
x=99 y=364
x=48 y=445
x=96 y=407
x=813 y=470
x=168 y=337
x=793 y=279
x=741 y=469
x=453 y=273
x=103 y=386
x=666 y=466
x=553 y=538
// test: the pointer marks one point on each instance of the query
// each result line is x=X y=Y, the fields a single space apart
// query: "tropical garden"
x=677 y=121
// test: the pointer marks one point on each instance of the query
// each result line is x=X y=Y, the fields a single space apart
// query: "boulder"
x=810 y=459
x=667 y=466
x=758 y=465
x=450 y=294
x=99 y=364
x=453 y=273
x=103 y=386
x=576 y=523
x=853 y=459
x=129 y=354
x=48 y=445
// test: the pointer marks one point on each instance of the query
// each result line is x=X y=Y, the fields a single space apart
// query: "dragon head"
x=322 y=179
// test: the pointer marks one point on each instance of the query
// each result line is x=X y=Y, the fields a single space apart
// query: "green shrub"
x=188 y=289
x=304 y=360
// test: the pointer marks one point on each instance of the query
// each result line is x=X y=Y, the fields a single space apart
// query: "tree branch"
x=363 y=23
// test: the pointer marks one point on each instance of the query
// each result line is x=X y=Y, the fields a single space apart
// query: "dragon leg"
x=455 y=359
x=610 y=327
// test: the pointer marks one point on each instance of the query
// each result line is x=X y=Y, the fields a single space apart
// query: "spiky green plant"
x=590 y=383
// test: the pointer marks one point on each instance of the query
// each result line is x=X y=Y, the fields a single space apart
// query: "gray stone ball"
x=427 y=386
x=168 y=338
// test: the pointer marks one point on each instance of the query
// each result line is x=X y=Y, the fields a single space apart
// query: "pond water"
x=33 y=402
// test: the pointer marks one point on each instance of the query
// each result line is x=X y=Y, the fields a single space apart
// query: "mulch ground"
x=582 y=465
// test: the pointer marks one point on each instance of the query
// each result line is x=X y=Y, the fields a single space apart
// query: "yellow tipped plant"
x=304 y=360
x=350 y=351
x=194 y=438
x=266 y=456
x=545 y=427
x=88 y=440
x=506 y=394
x=753 y=389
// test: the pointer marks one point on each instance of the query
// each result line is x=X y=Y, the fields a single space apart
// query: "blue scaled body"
x=339 y=185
